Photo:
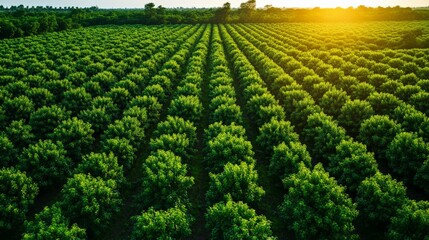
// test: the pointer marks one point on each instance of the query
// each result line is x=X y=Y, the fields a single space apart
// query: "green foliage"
x=151 y=104
x=172 y=223
x=187 y=107
x=317 y=206
x=50 y=224
x=45 y=162
x=178 y=143
x=8 y=152
x=379 y=197
x=351 y=164
x=129 y=128
x=216 y=128
x=406 y=153
x=377 y=132
x=227 y=113
x=19 y=134
x=273 y=133
x=353 y=113
x=332 y=101
x=76 y=136
x=237 y=182
x=226 y=147
x=235 y=220
x=174 y=124
x=97 y=117
x=102 y=165
x=17 y=193
x=322 y=135
x=410 y=222
x=18 y=108
x=165 y=182
x=45 y=119
x=287 y=157
x=76 y=100
x=90 y=202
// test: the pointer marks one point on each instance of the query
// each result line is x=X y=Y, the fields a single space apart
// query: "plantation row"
x=244 y=131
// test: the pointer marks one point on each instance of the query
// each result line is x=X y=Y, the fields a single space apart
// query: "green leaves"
x=317 y=206
x=172 y=223
x=51 y=224
x=17 y=193
x=237 y=182
x=235 y=220
x=90 y=201
x=379 y=197
x=165 y=182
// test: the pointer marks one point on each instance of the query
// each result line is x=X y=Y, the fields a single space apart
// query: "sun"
x=334 y=3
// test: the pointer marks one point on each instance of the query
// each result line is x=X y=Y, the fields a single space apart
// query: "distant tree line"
x=19 y=21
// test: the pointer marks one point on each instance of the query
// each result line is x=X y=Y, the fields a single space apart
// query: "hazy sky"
x=215 y=3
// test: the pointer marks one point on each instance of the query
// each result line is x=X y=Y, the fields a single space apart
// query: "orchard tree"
x=237 y=181
x=227 y=113
x=76 y=136
x=8 y=154
x=129 y=128
x=122 y=149
x=176 y=143
x=140 y=114
x=89 y=201
x=351 y=164
x=225 y=148
x=51 y=224
x=406 y=154
x=266 y=113
x=188 y=107
x=165 y=182
x=76 y=100
x=235 y=220
x=273 y=133
x=45 y=119
x=152 y=105
x=217 y=128
x=379 y=197
x=332 y=101
x=317 y=206
x=46 y=162
x=383 y=103
x=41 y=97
x=120 y=96
x=172 y=223
x=410 y=222
x=17 y=193
x=20 y=134
x=102 y=165
x=322 y=135
x=352 y=114
x=174 y=124
x=108 y=104
x=18 y=108
x=287 y=157
x=97 y=117
x=377 y=132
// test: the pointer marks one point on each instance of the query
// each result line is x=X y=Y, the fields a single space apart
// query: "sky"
x=215 y=3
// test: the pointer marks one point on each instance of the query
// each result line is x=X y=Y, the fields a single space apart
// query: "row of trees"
x=355 y=115
x=18 y=21
x=233 y=184
x=348 y=161
x=113 y=123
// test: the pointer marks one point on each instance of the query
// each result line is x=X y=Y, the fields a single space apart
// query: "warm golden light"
x=342 y=3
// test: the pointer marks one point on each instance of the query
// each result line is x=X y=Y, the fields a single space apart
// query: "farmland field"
x=228 y=131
